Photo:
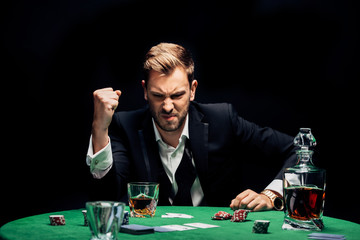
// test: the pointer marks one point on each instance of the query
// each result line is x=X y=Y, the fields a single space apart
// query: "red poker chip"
x=57 y=220
x=221 y=215
x=239 y=215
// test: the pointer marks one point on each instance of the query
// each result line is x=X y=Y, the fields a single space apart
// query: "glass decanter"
x=304 y=188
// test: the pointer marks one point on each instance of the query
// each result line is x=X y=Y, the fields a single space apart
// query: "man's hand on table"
x=251 y=200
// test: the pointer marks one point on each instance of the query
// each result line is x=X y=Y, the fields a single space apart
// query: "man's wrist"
x=100 y=138
x=275 y=198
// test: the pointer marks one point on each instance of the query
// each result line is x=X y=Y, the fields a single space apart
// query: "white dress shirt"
x=171 y=158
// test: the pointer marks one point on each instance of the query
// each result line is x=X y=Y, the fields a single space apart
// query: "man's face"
x=169 y=98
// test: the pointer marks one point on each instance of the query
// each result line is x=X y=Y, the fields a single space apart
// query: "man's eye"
x=158 y=95
x=175 y=96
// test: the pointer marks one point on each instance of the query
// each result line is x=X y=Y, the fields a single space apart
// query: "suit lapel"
x=198 y=134
x=149 y=148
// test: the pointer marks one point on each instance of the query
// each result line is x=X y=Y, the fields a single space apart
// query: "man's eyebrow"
x=156 y=92
x=180 y=92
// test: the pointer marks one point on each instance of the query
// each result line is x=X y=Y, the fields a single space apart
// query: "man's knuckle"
x=244 y=202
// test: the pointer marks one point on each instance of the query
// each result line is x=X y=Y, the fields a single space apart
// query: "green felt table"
x=38 y=226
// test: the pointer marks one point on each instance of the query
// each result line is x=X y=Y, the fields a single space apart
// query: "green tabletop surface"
x=38 y=226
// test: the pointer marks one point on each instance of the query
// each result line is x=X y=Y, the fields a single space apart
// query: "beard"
x=169 y=126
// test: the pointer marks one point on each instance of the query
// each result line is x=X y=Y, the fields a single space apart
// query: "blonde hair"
x=165 y=57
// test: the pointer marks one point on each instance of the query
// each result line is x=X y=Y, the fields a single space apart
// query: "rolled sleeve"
x=101 y=162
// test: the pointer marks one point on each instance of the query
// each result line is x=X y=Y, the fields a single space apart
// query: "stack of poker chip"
x=126 y=218
x=57 y=220
x=260 y=226
x=239 y=215
x=221 y=215
x=85 y=218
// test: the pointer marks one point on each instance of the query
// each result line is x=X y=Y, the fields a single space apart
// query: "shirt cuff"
x=101 y=162
x=277 y=186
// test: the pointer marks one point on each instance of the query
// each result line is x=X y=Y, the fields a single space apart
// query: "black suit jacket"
x=218 y=136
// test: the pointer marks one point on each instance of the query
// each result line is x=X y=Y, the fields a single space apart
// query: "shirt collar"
x=185 y=132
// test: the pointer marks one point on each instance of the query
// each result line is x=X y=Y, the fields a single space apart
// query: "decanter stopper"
x=304 y=139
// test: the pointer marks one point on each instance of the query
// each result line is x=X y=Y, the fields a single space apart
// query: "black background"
x=283 y=64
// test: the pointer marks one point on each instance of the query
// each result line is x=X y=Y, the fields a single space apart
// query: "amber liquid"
x=142 y=206
x=304 y=203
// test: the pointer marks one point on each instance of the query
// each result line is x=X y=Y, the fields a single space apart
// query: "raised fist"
x=106 y=101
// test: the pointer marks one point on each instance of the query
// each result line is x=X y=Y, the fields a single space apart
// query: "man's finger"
x=246 y=201
x=113 y=104
x=260 y=203
x=260 y=207
x=254 y=203
x=109 y=89
x=104 y=95
x=114 y=95
x=236 y=202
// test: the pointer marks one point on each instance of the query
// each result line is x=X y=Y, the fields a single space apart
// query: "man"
x=193 y=150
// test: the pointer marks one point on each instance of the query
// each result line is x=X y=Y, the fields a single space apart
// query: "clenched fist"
x=106 y=101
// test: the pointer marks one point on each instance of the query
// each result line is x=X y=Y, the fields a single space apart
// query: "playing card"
x=176 y=215
x=201 y=225
x=178 y=227
x=326 y=236
x=164 y=229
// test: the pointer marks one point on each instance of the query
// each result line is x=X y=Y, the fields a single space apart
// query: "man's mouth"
x=168 y=117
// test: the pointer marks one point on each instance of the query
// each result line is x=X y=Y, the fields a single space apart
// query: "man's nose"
x=168 y=105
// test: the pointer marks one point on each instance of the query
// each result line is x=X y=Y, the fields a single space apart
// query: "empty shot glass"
x=143 y=198
x=104 y=219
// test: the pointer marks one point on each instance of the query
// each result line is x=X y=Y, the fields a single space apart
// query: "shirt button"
x=96 y=161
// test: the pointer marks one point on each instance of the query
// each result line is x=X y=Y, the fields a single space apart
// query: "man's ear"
x=144 y=87
x=193 y=87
